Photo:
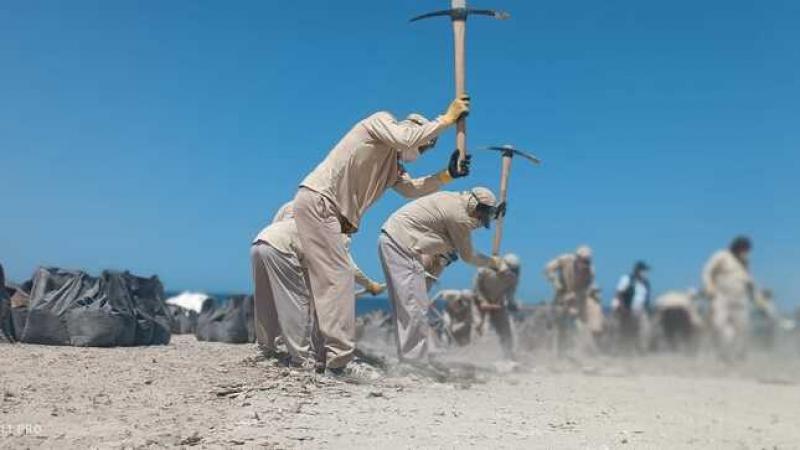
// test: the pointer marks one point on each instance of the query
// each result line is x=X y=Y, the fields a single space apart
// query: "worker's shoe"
x=267 y=354
x=356 y=372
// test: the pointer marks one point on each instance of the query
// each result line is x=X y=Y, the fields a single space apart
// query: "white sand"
x=215 y=395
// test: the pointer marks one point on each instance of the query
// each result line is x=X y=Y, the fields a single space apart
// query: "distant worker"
x=433 y=225
x=495 y=296
x=572 y=276
x=632 y=306
x=286 y=211
x=677 y=319
x=332 y=199
x=729 y=286
x=458 y=314
x=282 y=294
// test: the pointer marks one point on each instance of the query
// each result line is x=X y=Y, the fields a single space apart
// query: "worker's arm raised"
x=419 y=187
x=402 y=135
x=551 y=272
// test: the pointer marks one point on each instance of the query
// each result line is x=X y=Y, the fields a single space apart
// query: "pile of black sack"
x=231 y=321
x=64 y=307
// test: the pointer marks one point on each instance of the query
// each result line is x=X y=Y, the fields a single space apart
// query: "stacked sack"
x=63 y=307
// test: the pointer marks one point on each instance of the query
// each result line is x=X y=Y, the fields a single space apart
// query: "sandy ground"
x=213 y=395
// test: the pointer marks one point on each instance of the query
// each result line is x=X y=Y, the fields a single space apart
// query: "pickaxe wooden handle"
x=508 y=153
x=498 y=226
x=458 y=13
x=459 y=43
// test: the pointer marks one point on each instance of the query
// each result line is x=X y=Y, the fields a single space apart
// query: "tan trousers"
x=501 y=322
x=730 y=319
x=405 y=282
x=283 y=302
x=330 y=274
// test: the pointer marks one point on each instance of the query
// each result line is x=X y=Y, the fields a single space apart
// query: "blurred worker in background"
x=494 y=292
x=572 y=276
x=729 y=286
x=632 y=307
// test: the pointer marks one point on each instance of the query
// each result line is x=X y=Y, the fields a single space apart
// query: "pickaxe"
x=508 y=152
x=458 y=14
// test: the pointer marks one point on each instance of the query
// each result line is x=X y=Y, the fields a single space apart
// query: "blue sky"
x=160 y=136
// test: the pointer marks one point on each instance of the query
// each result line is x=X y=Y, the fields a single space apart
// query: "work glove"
x=375 y=288
x=456 y=168
x=501 y=210
x=458 y=108
x=451 y=257
x=495 y=263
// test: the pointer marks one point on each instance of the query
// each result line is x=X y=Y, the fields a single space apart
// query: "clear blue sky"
x=161 y=136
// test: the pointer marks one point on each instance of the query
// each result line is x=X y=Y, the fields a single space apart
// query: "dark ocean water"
x=363 y=305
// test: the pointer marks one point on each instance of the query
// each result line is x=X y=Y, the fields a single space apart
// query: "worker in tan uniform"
x=283 y=305
x=458 y=314
x=678 y=319
x=572 y=276
x=435 y=224
x=286 y=211
x=729 y=286
x=334 y=196
x=495 y=297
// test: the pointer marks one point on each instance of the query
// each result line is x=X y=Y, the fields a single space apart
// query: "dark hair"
x=740 y=244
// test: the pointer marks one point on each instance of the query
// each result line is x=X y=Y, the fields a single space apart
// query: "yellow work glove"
x=375 y=288
x=458 y=107
x=495 y=263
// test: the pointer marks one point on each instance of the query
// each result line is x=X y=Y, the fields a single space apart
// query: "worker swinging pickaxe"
x=458 y=13
x=508 y=153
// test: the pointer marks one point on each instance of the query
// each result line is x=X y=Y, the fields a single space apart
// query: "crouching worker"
x=458 y=314
x=494 y=292
x=436 y=224
x=283 y=305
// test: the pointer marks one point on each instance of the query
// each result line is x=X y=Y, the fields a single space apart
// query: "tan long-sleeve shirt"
x=568 y=275
x=724 y=274
x=495 y=287
x=436 y=224
x=360 y=168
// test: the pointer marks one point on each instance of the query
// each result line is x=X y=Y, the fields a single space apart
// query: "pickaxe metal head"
x=459 y=11
x=510 y=151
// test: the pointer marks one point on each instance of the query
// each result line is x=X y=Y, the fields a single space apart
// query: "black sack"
x=184 y=321
x=20 y=299
x=115 y=309
x=6 y=319
x=230 y=322
x=153 y=318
